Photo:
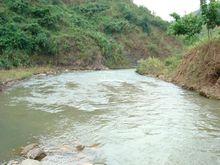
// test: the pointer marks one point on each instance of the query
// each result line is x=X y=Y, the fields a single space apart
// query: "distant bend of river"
x=135 y=120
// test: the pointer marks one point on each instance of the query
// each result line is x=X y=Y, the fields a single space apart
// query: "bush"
x=141 y=20
x=18 y=19
x=152 y=66
x=144 y=24
x=13 y=38
x=3 y=18
x=128 y=14
x=18 y=6
x=158 y=22
x=116 y=26
x=14 y=59
x=112 y=51
x=153 y=48
x=155 y=66
x=32 y=28
x=43 y=44
x=79 y=21
x=90 y=9
x=172 y=62
x=46 y=17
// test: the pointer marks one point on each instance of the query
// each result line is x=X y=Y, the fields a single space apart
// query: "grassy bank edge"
x=168 y=69
x=9 y=77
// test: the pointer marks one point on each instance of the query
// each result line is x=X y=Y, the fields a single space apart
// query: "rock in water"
x=28 y=148
x=33 y=151
x=36 y=153
x=30 y=162
x=80 y=148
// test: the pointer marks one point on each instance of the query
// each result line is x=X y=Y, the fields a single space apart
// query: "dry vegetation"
x=200 y=69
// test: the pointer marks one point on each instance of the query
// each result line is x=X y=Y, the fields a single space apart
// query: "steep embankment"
x=79 y=33
x=200 y=69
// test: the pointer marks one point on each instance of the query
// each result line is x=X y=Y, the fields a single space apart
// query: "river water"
x=127 y=118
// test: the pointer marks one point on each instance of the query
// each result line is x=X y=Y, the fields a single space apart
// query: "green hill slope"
x=80 y=33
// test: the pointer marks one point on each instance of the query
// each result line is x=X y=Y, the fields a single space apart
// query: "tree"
x=210 y=14
x=189 y=25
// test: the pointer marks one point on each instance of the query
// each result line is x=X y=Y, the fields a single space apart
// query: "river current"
x=121 y=117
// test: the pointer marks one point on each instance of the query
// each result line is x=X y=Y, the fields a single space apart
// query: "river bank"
x=198 y=70
x=10 y=77
x=211 y=92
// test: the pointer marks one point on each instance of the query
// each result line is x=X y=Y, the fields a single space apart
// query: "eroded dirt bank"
x=200 y=70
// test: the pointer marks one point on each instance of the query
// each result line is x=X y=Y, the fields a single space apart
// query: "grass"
x=21 y=73
x=155 y=66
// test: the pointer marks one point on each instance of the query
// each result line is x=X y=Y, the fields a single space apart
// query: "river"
x=131 y=119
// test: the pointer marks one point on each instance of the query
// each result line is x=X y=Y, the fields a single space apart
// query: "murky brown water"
x=136 y=120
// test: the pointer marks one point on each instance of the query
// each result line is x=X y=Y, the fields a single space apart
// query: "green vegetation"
x=199 y=69
x=192 y=27
x=210 y=14
x=151 y=66
x=189 y=25
x=157 y=67
x=76 y=33
x=192 y=24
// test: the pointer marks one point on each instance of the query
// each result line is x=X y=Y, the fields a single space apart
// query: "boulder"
x=30 y=162
x=36 y=154
x=33 y=151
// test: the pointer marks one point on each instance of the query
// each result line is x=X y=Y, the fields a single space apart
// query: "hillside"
x=200 y=69
x=80 y=33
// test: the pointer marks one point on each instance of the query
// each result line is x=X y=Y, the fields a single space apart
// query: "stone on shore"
x=33 y=151
x=36 y=154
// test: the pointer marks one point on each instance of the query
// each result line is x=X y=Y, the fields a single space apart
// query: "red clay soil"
x=200 y=70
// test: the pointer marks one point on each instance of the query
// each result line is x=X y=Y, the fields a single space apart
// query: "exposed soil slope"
x=200 y=69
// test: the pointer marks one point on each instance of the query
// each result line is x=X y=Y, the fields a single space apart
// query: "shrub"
x=90 y=9
x=141 y=20
x=128 y=14
x=116 y=26
x=151 y=65
x=46 y=17
x=172 y=62
x=18 y=19
x=32 y=28
x=43 y=44
x=111 y=51
x=80 y=21
x=158 y=22
x=18 y=6
x=13 y=38
x=153 y=48
x=3 y=18
x=144 y=24
x=14 y=59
